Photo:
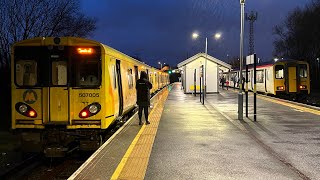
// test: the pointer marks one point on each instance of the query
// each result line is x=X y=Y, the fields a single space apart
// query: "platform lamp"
x=216 y=36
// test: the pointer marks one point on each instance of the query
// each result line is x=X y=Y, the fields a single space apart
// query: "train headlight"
x=303 y=87
x=90 y=110
x=23 y=108
x=280 y=88
x=93 y=109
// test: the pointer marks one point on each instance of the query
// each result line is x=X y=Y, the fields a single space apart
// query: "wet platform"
x=188 y=140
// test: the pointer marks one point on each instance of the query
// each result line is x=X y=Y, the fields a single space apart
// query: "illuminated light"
x=84 y=114
x=276 y=59
x=85 y=50
x=303 y=87
x=217 y=36
x=195 y=35
x=280 y=88
x=32 y=113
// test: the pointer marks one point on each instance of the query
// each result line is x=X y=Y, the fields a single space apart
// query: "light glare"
x=195 y=35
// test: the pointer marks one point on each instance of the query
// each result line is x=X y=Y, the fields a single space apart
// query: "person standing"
x=143 y=87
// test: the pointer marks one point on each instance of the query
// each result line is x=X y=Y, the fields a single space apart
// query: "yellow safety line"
x=123 y=162
x=313 y=111
x=305 y=109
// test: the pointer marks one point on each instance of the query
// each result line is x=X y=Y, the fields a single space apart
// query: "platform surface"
x=188 y=140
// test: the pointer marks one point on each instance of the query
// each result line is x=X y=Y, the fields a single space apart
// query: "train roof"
x=270 y=63
x=70 y=40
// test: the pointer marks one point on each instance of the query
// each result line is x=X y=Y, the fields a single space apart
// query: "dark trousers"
x=141 y=108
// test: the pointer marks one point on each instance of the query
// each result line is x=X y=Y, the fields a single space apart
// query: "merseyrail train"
x=67 y=91
x=284 y=77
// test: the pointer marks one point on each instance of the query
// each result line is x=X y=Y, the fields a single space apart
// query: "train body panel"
x=73 y=88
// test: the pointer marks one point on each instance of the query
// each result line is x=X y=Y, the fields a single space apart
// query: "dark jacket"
x=143 y=87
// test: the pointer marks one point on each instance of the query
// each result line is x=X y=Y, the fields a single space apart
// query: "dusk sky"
x=160 y=30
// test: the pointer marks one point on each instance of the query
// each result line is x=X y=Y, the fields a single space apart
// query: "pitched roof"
x=210 y=58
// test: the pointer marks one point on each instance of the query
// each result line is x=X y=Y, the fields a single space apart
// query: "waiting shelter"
x=193 y=70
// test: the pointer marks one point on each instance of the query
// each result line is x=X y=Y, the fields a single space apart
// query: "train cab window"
x=87 y=72
x=303 y=71
x=26 y=72
x=130 y=78
x=279 y=71
x=59 y=73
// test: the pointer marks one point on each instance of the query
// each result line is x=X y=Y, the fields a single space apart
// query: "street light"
x=160 y=65
x=216 y=36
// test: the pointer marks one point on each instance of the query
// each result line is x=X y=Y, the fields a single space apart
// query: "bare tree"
x=24 y=19
x=298 y=36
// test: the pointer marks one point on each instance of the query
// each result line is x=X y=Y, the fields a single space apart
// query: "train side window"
x=279 y=71
x=303 y=71
x=130 y=78
x=59 y=73
x=26 y=72
x=260 y=76
x=150 y=78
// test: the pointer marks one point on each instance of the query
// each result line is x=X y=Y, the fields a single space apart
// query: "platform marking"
x=133 y=158
x=88 y=161
x=127 y=154
x=297 y=107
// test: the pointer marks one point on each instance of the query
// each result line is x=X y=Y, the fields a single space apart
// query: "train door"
x=292 y=79
x=58 y=91
x=119 y=81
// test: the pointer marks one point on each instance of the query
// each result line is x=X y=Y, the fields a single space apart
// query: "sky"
x=160 y=30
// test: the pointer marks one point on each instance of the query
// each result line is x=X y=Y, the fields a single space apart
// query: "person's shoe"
x=140 y=123
x=147 y=122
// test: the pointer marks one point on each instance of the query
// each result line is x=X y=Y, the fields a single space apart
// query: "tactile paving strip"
x=134 y=163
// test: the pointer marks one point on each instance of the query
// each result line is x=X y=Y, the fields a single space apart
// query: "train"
x=67 y=92
x=285 y=77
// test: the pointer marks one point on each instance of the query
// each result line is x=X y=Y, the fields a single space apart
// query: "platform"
x=188 y=140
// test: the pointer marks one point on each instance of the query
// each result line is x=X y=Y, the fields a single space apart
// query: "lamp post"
x=216 y=36
x=240 y=95
x=160 y=65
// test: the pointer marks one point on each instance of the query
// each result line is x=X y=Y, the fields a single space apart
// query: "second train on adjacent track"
x=284 y=77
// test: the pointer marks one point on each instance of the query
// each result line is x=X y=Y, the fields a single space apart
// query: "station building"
x=194 y=67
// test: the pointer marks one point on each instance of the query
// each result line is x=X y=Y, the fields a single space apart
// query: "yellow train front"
x=67 y=91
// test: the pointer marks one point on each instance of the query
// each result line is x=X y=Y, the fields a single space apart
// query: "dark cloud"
x=160 y=30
